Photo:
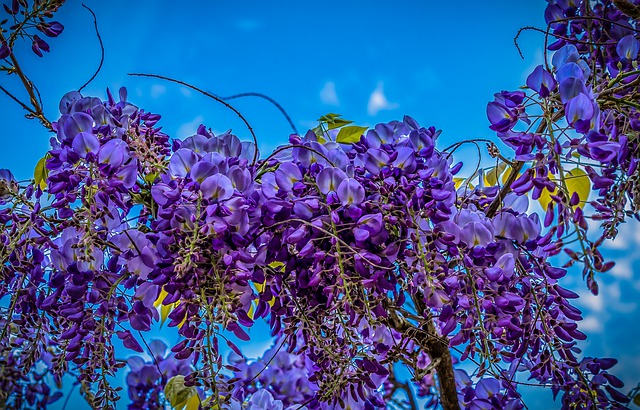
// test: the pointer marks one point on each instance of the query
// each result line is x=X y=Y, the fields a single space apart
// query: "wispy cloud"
x=190 y=127
x=378 y=101
x=623 y=268
x=157 y=90
x=328 y=94
x=591 y=324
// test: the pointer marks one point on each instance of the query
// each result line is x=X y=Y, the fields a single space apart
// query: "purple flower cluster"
x=146 y=380
x=363 y=255
x=21 y=14
x=584 y=106
x=285 y=377
x=327 y=241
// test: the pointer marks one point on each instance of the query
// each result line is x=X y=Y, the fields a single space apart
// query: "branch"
x=627 y=8
x=36 y=112
x=14 y=98
x=438 y=350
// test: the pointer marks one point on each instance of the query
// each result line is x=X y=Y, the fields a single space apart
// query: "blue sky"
x=373 y=61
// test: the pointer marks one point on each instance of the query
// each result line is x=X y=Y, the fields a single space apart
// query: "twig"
x=36 y=112
x=271 y=100
x=218 y=99
x=95 y=25
x=14 y=98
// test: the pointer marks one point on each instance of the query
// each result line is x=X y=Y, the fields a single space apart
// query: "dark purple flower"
x=38 y=45
x=287 y=175
x=74 y=124
x=566 y=54
x=628 y=47
x=541 y=81
x=579 y=112
x=501 y=118
x=50 y=29
x=5 y=51
x=114 y=153
x=569 y=70
x=571 y=87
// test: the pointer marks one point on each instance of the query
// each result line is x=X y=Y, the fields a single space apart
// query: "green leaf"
x=41 y=173
x=328 y=122
x=179 y=395
x=149 y=178
x=330 y=117
x=636 y=400
x=350 y=134
x=338 y=123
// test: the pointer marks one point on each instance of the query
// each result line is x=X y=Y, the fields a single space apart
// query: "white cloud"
x=328 y=94
x=157 y=90
x=591 y=324
x=623 y=269
x=378 y=101
x=592 y=302
x=186 y=92
x=189 y=128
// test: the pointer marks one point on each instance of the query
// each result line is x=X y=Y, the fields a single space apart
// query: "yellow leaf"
x=350 y=134
x=165 y=310
x=40 y=173
x=259 y=286
x=493 y=173
x=276 y=265
x=163 y=294
x=193 y=403
x=578 y=181
x=206 y=402
x=505 y=175
x=260 y=289
x=545 y=196
x=458 y=182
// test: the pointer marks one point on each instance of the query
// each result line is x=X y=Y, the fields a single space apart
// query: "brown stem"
x=36 y=112
x=506 y=188
x=438 y=350
x=515 y=170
